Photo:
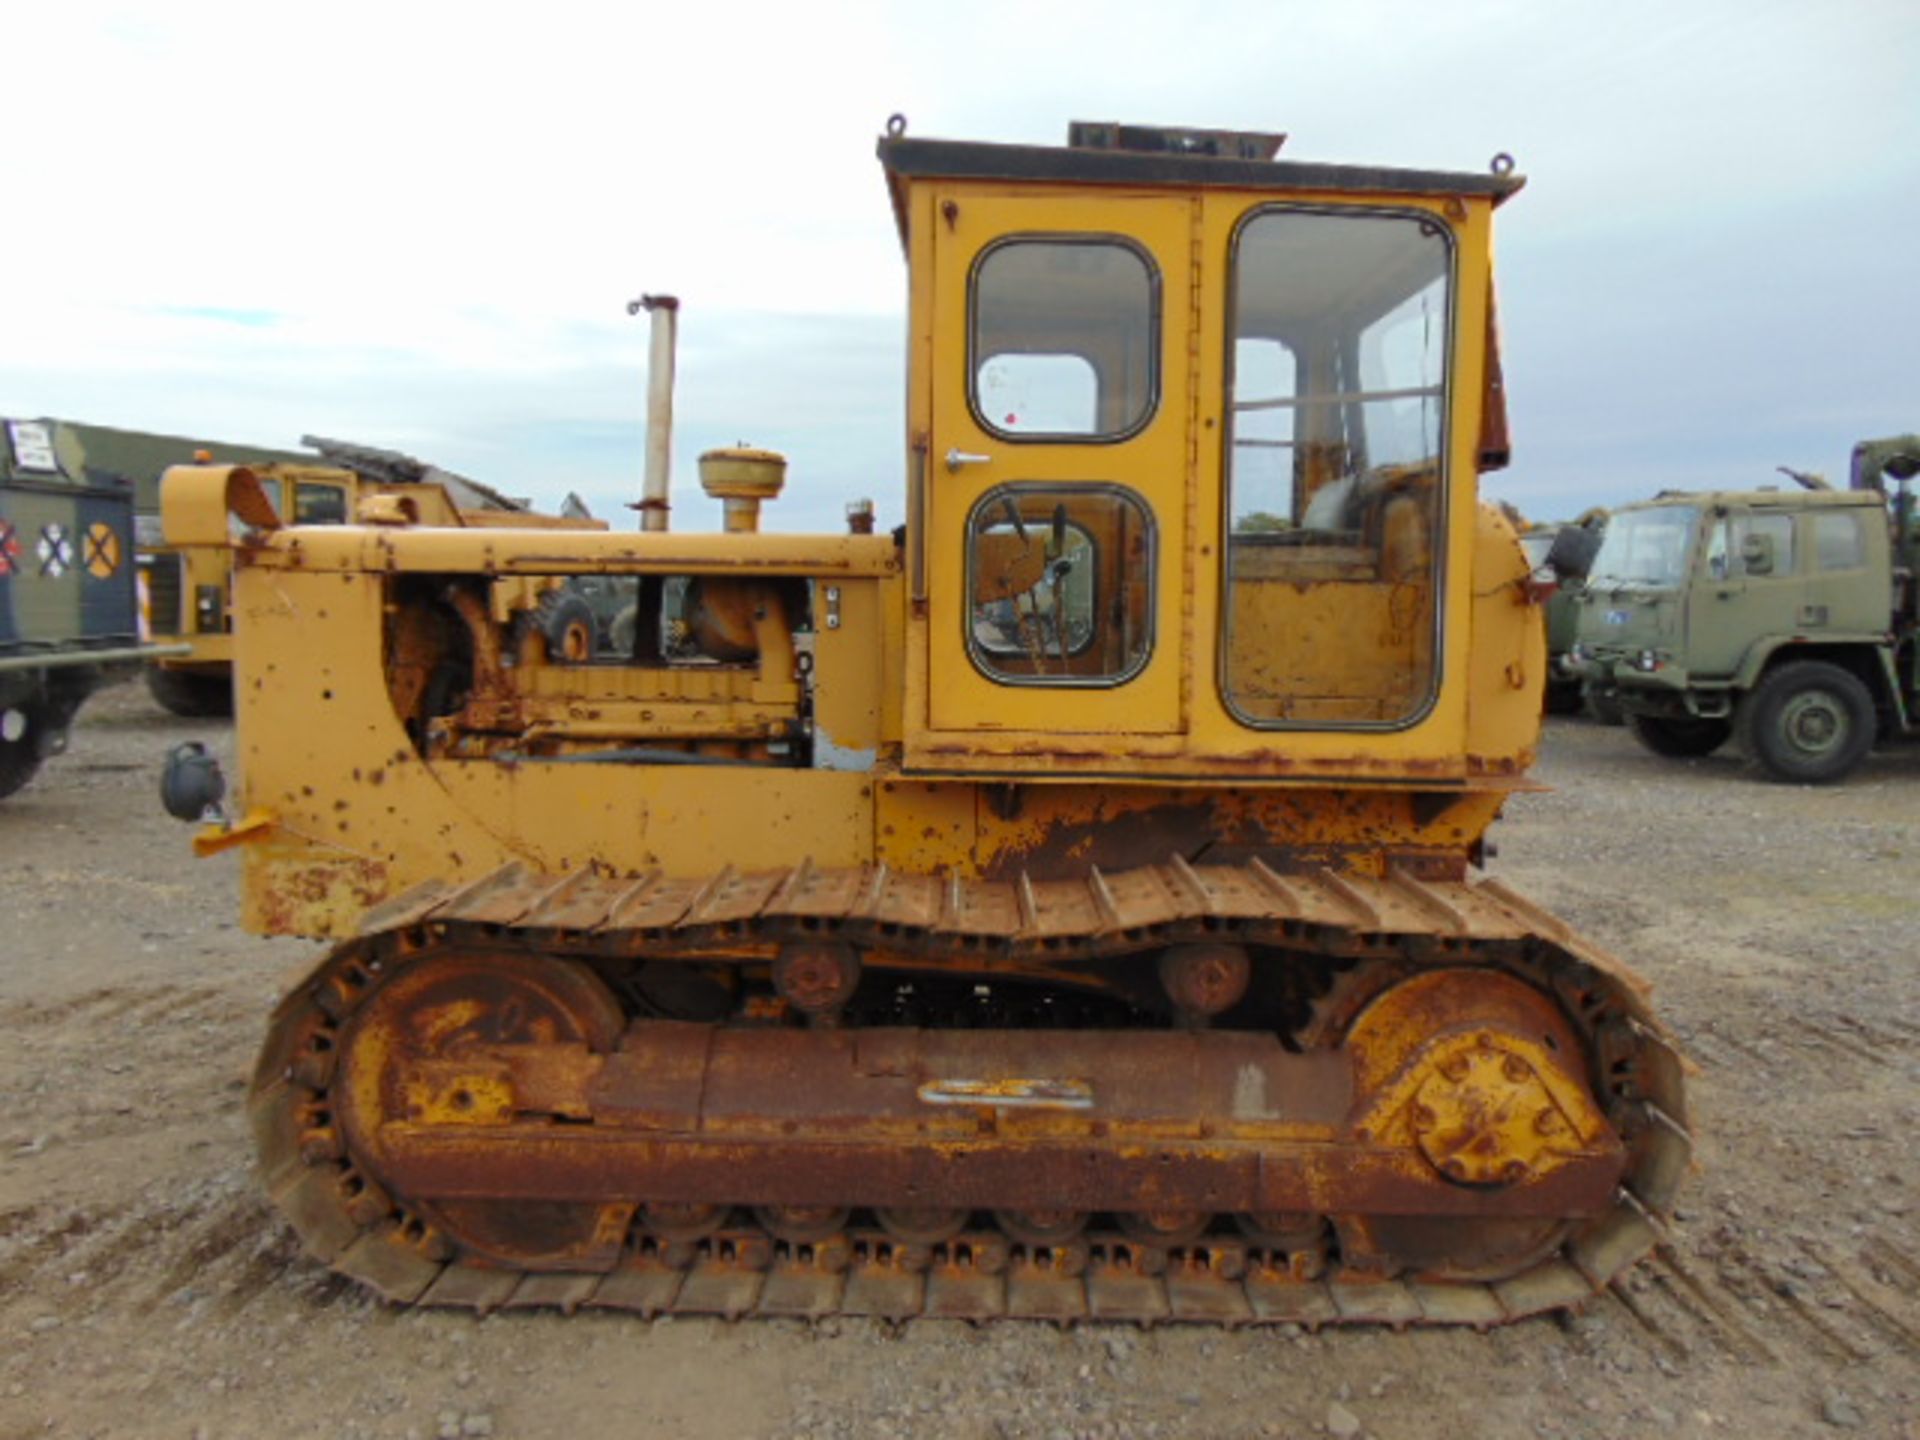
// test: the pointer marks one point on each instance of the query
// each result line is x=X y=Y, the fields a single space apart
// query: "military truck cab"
x=1765 y=614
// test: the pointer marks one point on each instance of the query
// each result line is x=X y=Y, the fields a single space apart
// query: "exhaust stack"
x=663 y=312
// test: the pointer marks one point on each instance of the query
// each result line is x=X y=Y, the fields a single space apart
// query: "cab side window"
x=1065 y=338
x=1060 y=584
x=1837 y=542
x=1720 y=549
x=1776 y=528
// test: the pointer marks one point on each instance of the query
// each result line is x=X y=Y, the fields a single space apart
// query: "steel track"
x=346 y=1220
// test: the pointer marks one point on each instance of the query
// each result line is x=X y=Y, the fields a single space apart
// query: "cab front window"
x=1649 y=548
x=319 y=504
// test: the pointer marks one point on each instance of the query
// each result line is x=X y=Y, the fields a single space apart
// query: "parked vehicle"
x=1564 y=690
x=1086 y=921
x=68 y=618
x=187 y=591
x=1783 y=617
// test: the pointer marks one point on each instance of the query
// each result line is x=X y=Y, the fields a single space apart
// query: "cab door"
x=1056 y=471
x=1743 y=598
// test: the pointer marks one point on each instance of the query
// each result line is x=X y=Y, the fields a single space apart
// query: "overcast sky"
x=418 y=225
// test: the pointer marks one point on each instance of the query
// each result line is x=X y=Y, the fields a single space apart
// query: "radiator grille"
x=164 y=585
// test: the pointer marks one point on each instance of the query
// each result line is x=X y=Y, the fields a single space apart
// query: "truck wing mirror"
x=1570 y=556
x=1756 y=554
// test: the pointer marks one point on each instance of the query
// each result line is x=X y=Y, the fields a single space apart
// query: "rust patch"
x=310 y=896
x=686 y=1113
x=1267 y=763
x=1107 y=839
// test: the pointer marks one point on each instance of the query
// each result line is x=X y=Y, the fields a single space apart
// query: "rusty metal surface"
x=1116 y=1121
x=1205 y=980
x=816 y=978
x=812 y=1121
x=1088 y=915
x=540 y=1163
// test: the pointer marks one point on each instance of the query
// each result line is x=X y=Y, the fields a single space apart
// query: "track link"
x=1395 y=924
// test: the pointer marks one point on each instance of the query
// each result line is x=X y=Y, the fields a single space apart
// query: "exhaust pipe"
x=664 y=313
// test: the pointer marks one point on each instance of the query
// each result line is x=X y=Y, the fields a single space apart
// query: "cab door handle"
x=957 y=457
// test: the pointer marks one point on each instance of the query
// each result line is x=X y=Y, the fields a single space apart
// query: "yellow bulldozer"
x=1069 y=905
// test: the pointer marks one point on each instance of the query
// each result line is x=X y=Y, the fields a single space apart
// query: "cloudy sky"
x=417 y=225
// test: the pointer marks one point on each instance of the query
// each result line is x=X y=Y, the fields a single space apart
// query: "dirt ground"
x=145 y=1288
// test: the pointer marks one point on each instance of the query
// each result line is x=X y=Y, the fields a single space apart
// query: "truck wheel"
x=566 y=621
x=195 y=697
x=1680 y=739
x=1808 y=722
x=19 y=747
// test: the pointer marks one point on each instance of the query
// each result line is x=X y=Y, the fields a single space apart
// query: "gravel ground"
x=145 y=1289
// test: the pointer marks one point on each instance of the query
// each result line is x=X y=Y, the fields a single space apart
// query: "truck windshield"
x=1646 y=547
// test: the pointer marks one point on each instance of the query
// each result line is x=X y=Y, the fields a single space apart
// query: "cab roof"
x=1782 y=498
x=908 y=159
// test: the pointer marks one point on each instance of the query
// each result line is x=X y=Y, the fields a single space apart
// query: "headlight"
x=1647 y=661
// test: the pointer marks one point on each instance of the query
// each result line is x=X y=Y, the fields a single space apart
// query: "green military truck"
x=68 y=616
x=1785 y=618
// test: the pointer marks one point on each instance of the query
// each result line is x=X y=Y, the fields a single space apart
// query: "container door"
x=1057 y=469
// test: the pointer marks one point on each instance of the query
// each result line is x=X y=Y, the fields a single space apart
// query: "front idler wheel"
x=1485 y=1086
x=414 y=1055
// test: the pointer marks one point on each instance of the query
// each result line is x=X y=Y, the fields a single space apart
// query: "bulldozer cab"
x=1184 y=430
